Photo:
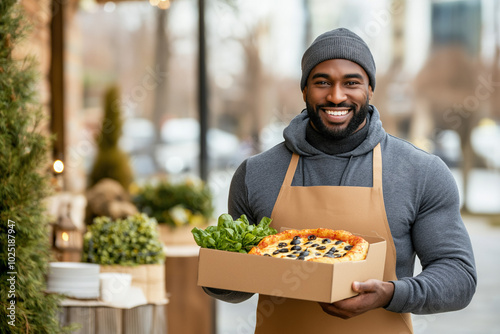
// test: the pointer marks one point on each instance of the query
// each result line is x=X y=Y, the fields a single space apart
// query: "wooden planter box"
x=149 y=277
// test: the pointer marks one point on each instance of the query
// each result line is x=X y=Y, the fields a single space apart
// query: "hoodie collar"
x=296 y=132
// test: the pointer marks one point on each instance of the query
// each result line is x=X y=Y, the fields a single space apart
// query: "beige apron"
x=357 y=209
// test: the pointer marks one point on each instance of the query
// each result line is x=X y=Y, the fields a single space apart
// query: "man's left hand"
x=372 y=294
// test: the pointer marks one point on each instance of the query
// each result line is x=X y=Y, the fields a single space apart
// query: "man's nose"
x=336 y=95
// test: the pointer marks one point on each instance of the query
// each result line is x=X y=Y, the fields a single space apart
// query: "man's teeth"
x=337 y=113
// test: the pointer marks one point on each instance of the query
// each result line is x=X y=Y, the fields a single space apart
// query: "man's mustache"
x=335 y=105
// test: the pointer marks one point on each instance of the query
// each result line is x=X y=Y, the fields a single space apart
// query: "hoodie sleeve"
x=448 y=278
x=238 y=195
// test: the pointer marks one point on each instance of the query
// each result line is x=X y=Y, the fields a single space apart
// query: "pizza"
x=318 y=245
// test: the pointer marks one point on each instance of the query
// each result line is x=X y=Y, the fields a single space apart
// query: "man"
x=338 y=160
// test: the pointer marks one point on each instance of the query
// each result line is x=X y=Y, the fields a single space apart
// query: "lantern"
x=68 y=238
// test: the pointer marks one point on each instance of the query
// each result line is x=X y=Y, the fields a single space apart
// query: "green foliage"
x=23 y=187
x=128 y=242
x=233 y=236
x=114 y=164
x=112 y=123
x=111 y=161
x=176 y=203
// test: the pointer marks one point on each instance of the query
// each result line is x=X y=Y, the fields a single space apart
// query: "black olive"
x=326 y=241
x=308 y=243
x=337 y=255
x=317 y=254
x=295 y=241
x=282 y=244
x=304 y=253
x=314 y=245
x=328 y=255
x=283 y=250
x=300 y=258
x=321 y=247
x=311 y=237
x=338 y=242
x=348 y=247
x=276 y=252
x=332 y=250
x=267 y=254
x=296 y=248
x=292 y=255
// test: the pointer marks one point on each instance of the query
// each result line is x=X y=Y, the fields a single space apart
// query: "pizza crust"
x=347 y=247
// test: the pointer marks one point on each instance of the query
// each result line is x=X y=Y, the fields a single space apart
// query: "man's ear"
x=370 y=92
x=304 y=93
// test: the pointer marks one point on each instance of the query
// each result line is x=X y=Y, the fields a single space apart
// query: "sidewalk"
x=481 y=316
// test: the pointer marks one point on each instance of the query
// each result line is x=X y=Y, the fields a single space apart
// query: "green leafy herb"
x=233 y=235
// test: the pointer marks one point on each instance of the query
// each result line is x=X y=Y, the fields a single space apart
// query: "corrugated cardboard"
x=306 y=280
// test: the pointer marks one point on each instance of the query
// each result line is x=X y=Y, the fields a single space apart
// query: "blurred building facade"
x=437 y=69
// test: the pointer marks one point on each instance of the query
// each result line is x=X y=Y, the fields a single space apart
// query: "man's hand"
x=372 y=294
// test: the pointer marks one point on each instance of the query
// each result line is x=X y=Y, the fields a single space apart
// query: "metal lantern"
x=68 y=238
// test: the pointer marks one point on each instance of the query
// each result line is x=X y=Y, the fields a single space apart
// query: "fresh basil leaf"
x=230 y=232
x=265 y=222
x=244 y=219
x=233 y=235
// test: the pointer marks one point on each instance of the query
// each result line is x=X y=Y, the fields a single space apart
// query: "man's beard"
x=337 y=134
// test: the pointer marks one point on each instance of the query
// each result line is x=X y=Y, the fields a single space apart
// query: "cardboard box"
x=306 y=280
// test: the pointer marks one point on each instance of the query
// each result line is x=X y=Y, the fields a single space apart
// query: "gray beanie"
x=339 y=43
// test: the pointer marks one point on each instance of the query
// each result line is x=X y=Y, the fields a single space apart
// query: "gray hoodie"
x=421 y=201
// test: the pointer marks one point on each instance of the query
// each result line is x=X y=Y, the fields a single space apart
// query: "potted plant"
x=111 y=161
x=131 y=246
x=177 y=207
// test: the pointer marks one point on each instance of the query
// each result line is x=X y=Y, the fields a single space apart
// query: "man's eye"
x=321 y=83
x=351 y=83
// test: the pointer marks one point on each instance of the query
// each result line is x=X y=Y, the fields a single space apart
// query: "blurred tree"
x=255 y=85
x=26 y=307
x=393 y=93
x=495 y=67
x=162 y=56
x=111 y=162
x=451 y=90
x=445 y=90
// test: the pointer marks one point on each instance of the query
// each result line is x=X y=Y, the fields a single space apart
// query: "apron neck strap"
x=377 y=168
x=291 y=169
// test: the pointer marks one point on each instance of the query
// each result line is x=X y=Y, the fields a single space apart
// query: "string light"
x=162 y=4
x=58 y=166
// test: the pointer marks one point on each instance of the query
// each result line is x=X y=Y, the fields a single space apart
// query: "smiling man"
x=338 y=159
x=337 y=98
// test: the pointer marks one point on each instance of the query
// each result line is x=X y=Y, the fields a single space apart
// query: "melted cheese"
x=307 y=249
